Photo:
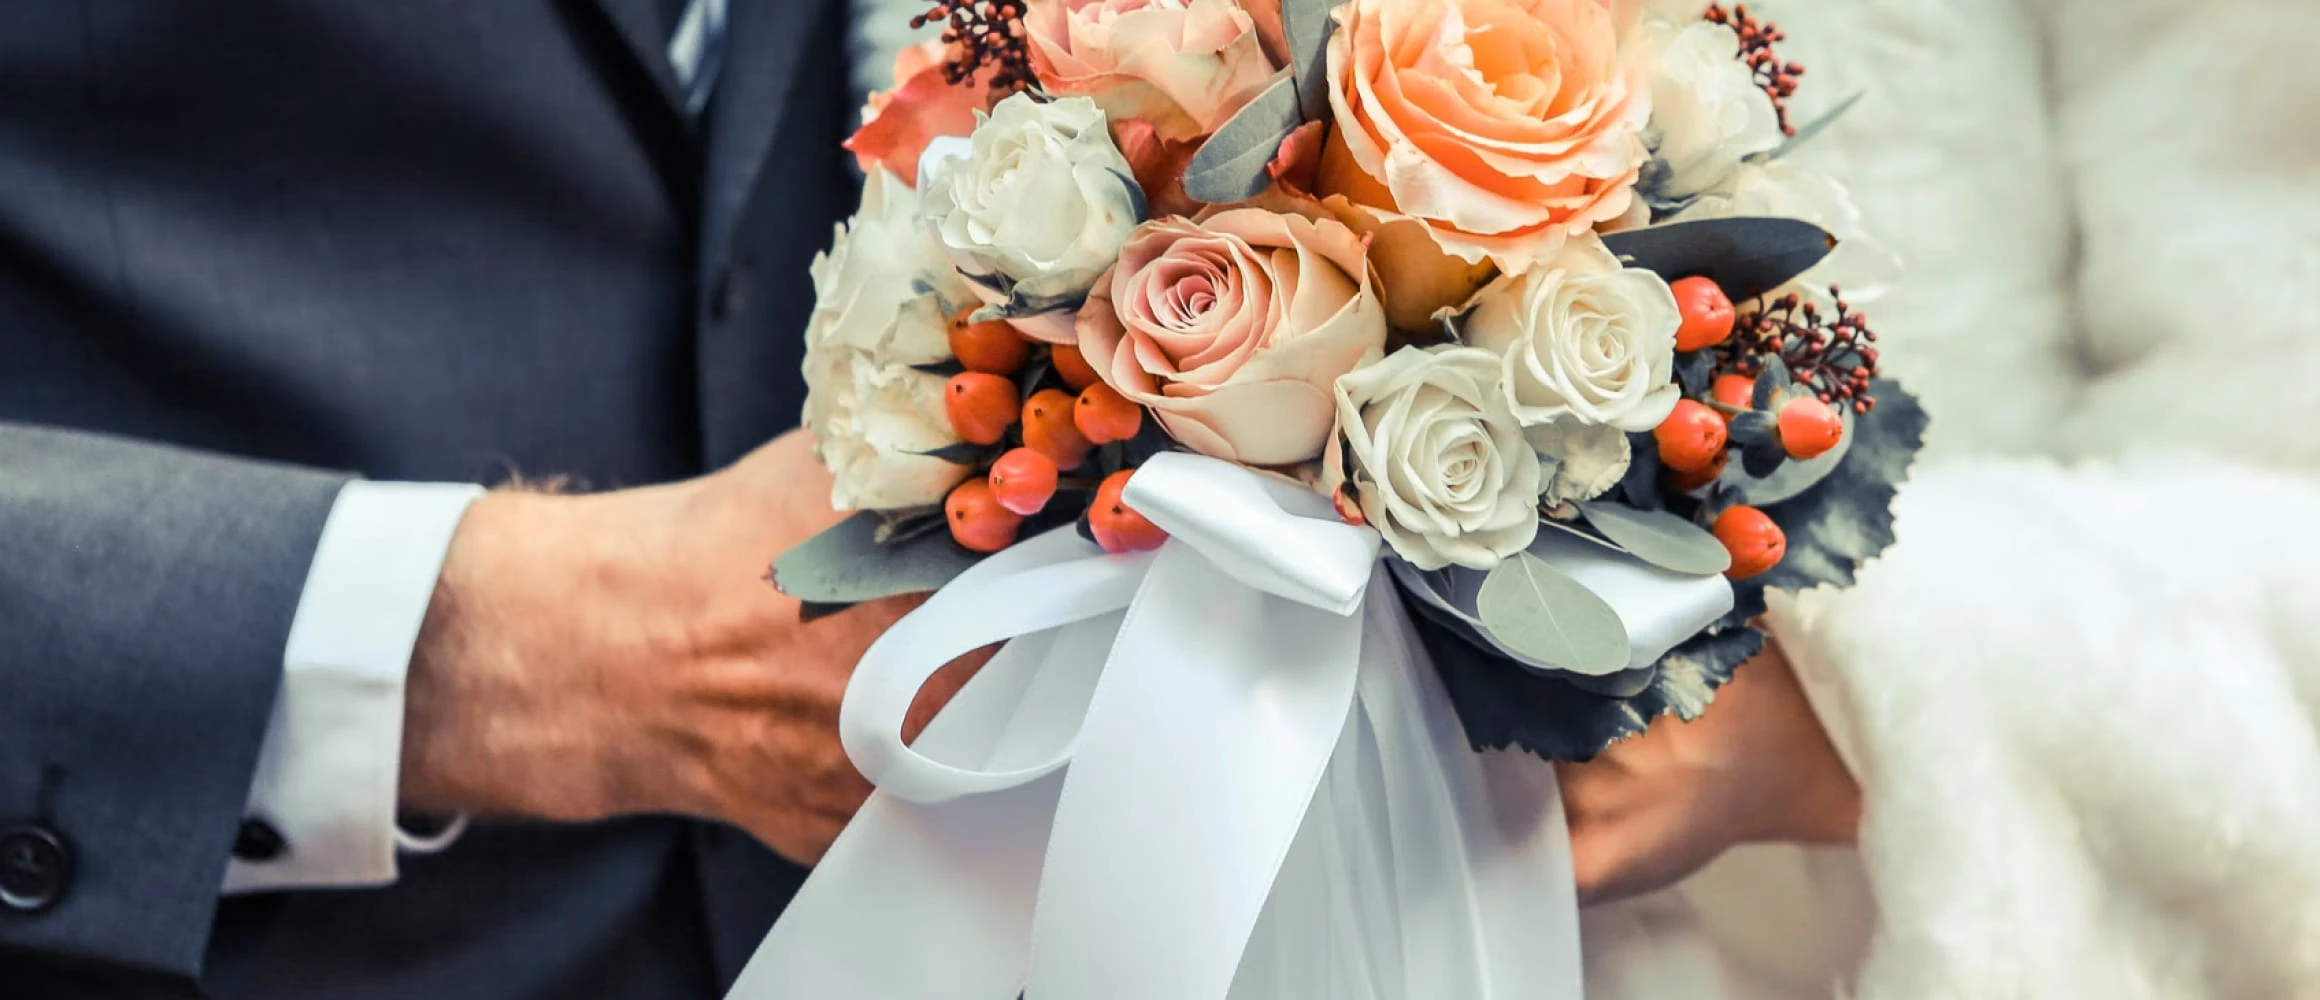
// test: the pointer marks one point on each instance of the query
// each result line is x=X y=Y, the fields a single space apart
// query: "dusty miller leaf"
x=1846 y=519
x=1230 y=166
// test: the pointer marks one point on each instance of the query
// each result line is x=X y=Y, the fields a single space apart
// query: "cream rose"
x=1438 y=462
x=1183 y=66
x=884 y=293
x=1034 y=205
x=1233 y=328
x=1506 y=126
x=1707 y=113
x=1582 y=338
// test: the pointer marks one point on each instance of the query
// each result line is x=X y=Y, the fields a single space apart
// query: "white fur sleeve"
x=2081 y=702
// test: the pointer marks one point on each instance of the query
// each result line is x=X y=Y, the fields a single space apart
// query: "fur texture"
x=2081 y=690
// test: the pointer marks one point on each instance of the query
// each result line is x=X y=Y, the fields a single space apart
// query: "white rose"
x=1578 y=461
x=1785 y=189
x=1583 y=338
x=1439 y=464
x=884 y=295
x=1707 y=112
x=1036 y=203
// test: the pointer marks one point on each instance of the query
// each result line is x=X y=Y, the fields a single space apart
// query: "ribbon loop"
x=1269 y=533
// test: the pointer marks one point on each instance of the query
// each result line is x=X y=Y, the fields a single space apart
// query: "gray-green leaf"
x=1746 y=257
x=1659 y=538
x=1542 y=613
x=1230 y=166
x=846 y=565
x=1308 y=25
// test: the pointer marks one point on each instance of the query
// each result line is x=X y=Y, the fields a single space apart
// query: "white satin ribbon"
x=1218 y=769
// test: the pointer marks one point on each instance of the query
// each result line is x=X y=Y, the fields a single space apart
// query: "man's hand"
x=620 y=653
x=1756 y=767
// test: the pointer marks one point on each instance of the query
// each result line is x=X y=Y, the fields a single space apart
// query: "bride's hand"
x=1756 y=767
x=620 y=653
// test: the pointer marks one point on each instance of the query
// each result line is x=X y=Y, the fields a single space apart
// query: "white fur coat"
x=2080 y=691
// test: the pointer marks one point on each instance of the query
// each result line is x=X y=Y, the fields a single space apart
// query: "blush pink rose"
x=1506 y=126
x=1182 y=65
x=1233 y=329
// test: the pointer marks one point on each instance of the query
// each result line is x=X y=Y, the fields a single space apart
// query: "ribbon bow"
x=1104 y=812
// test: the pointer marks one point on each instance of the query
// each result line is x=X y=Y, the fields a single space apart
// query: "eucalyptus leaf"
x=1641 y=483
x=1230 y=166
x=1762 y=458
x=846 y=565
x=1753 y=427
x=1540 y=612
x=1307 y=25
x=1695 y=372
x=1770 y=380
x=1746 y=257
x=1793 y=476
x=1808 y=130
x=960 y=453
x=1659 y=538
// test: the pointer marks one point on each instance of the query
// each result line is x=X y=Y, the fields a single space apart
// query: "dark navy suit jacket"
x=249 y=248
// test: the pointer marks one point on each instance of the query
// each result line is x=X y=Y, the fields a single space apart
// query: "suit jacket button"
x=257 y=840
x=35 y=868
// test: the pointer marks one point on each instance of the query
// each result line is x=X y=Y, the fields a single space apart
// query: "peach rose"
x=1234 y=328
x=1505 y=126
x=1183 y=65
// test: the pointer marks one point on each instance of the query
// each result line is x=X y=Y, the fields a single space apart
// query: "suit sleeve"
x=146 y=594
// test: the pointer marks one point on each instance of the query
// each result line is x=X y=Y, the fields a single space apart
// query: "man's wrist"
x=535 y=590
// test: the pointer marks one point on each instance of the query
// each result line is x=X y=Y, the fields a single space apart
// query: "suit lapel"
x=763 y=44
x=642 y=28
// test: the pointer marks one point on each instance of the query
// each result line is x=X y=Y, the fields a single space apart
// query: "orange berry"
x=977 y=520
x=1809 y=428
x=1707 y=313
x=1117 y=527
x=1104 y=416
x=1755 y=542
x=992 y=347
x=1685 y=482
x=1733 y=389
x=1047 y=426
x=1072 y=366
x=1691 y=437
x=1023 y=480
x=981 y=406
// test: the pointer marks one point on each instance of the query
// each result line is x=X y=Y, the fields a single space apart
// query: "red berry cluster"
x=980 y=36
x=1778 y=79
x=1834 y=354
x=1695 y=442
x=1054 y=430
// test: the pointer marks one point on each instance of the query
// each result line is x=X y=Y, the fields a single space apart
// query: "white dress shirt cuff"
x=330 y=766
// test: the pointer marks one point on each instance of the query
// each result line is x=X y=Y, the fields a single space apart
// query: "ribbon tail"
x=1203 y=746
x=933 y=901
x=1481 y=860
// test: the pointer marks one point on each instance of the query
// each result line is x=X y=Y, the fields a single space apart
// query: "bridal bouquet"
x=1309 y=393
